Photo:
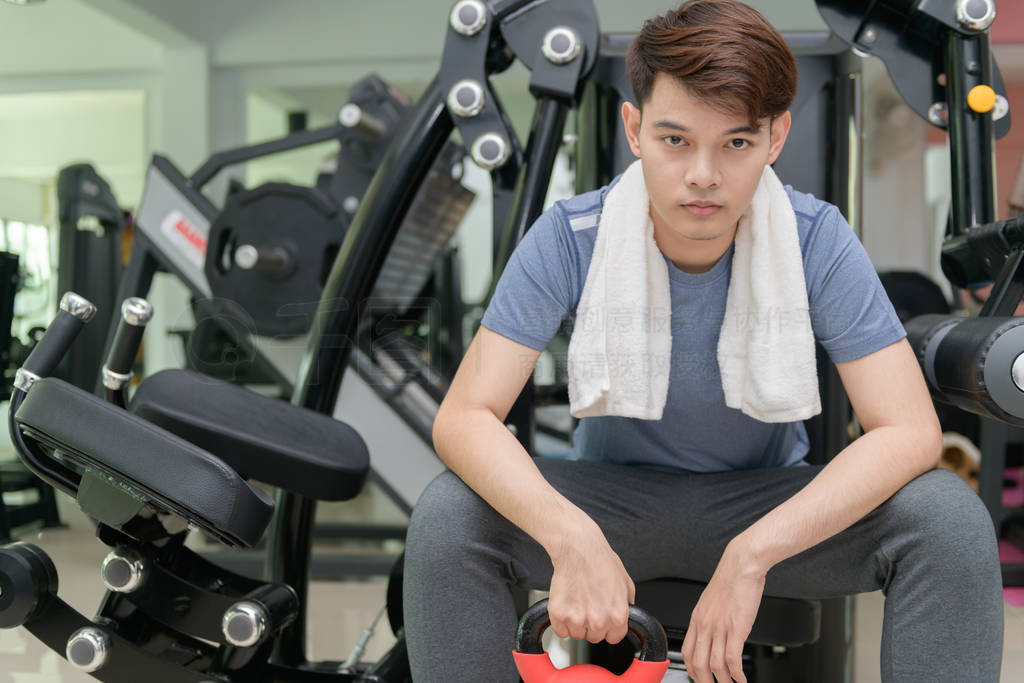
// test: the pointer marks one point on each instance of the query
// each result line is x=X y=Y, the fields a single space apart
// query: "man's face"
x=701 y=165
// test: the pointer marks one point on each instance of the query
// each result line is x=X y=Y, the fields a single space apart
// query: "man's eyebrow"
x=671 y=125
x=743 y=129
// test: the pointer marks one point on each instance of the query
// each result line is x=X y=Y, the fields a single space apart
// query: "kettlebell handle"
x=651 y=636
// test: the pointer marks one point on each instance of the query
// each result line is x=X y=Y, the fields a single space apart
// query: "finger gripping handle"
x=535 y=666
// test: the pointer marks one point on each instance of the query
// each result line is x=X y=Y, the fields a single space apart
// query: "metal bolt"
x=244 y=624
x=87 y=649
x=468 y=17
x=561 y=45
x=938 y=114
x=869 y=35
x=349 y=115
x=247 y=256
x=466 y=98
x=350 y=204
x=975 y=15
x=352 y=116
x=123 y=571
x=490 y=151
x=1001 y=109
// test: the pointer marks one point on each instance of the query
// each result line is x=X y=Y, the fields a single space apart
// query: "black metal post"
x=531 y=189
x=288 y=554
x=229 y=157
x=845 y=171
x=534 y=175
x=355 y=271
x=366 y=244
x=971 y=136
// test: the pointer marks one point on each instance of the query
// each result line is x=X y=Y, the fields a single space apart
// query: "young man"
x=705 y=492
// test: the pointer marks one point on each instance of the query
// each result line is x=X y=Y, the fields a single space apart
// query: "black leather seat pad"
x=261 y=438
x=172 y=473
x=780 y=621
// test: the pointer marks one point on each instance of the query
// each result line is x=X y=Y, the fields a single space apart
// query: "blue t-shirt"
x=850 y=314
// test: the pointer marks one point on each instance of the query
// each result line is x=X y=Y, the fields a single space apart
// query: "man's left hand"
x=722 y=620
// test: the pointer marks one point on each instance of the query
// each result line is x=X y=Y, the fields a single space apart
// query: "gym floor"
x=341 y=611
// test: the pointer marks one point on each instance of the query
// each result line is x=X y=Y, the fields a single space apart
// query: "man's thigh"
x=672 y=524
x=678 y=524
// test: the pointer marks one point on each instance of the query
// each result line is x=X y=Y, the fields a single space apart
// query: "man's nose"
x=703 y=173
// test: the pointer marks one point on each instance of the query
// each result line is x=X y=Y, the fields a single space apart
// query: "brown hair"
x=724 y=52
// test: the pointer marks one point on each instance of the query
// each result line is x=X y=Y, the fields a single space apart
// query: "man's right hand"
x=590 y=589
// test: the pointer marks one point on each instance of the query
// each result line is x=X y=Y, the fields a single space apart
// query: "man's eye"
x=673 y=140
x=739 y=143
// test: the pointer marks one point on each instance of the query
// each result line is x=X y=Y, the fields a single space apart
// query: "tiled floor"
x=340 y=612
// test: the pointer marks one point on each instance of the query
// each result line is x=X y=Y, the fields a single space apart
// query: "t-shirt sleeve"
x=850 y=312
x=538 y=287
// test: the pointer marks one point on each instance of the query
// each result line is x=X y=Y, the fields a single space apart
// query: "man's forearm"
x=491 y=461
x=859 y=479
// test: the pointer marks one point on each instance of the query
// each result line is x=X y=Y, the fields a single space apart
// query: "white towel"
x=766 y=347
x=620 y=350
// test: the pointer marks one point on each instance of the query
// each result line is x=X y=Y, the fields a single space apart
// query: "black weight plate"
x=300 y=222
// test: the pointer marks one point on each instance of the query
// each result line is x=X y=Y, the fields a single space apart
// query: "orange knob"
x=981 y=99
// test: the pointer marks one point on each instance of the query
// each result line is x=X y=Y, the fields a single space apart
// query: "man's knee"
x=947 y=517
x=446 y=518
x=444 y=499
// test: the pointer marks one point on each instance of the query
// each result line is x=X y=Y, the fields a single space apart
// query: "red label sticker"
x=190 y=240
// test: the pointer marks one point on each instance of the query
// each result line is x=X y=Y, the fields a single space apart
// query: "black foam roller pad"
x=968 y=362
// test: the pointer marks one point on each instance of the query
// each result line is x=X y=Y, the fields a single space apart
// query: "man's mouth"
x=701 y=208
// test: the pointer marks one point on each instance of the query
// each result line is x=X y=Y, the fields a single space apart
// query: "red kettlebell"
x=535 y=666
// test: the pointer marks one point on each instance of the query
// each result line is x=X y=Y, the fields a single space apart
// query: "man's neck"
x=689 y=255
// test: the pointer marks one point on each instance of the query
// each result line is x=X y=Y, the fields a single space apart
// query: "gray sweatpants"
x=931 y=548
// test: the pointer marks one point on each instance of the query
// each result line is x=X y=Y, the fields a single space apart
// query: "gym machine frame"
x=939 y=58
x=365 y=128
x=481 y=41
x=506 y=29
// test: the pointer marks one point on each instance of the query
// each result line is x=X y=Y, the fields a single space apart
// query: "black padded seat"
x=164 y=469
x=265 y=439
x=780 y=621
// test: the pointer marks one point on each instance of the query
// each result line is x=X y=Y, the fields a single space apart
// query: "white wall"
x=69 y=37
x=896 y=223
x=41 y=132
x=22 y=200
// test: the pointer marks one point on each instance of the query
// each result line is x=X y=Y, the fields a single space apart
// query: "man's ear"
x=631 y=123
x=780 y=131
